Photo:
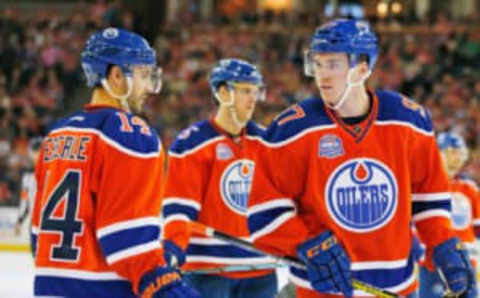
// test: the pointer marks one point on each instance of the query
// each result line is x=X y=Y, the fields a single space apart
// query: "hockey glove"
x=328 y=266
x=165 y=282
x=453 y=262
x=417 y=251
x=173 y=255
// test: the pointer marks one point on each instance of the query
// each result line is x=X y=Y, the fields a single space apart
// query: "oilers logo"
x=362 y=195
x=236 y=183
x=461 y=211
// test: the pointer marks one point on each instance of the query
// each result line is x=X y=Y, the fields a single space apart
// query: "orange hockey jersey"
x=465 y=210
x=208 y=180
x=97 y=205
x=365 y=182
x=465 y=213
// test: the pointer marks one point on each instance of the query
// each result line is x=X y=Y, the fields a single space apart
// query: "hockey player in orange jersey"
x=342 y=177
x=210 y=170
x=465 y=210
x=98 y=179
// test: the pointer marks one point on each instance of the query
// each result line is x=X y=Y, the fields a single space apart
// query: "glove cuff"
x=152 y=281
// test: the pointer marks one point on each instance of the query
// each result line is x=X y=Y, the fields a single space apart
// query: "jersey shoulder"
x=468 y=182
x=255 y=130
x=298 y=119
x=396 y=107
x=123 y=130
x=193 y=137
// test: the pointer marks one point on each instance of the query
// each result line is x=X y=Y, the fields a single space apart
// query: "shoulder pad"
x=124 y=131
x=306 y=115
x=254 y=129
x=394 y=106
x=131 y=132
x=193 y=136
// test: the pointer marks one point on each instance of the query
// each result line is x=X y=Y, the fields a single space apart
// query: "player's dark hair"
x=217 y=89
x=109 y=69
x=361 y=58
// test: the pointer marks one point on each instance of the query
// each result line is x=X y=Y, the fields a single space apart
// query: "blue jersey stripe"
x=418 y=207
x=78 y=288
x=259 y=220
x=383 y=278
x=225 y=251
x=172 y=209
x=124 y=239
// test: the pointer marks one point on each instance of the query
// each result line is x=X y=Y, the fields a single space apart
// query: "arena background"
x=430 y=51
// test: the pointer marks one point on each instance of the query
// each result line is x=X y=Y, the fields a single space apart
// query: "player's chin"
x=246 y=118
x=137 y=108
x=328 y=99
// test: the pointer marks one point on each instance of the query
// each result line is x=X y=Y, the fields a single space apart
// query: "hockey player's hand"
x=173 y=255
x=165 y=282
x=328 y=265
x=453 y=262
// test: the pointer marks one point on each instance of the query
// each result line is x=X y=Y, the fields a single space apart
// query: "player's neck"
x=101 y=97
x=451 y=174
x=224 y=120
x=356 y=104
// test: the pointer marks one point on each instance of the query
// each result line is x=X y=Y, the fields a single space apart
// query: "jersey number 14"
x=67 y=225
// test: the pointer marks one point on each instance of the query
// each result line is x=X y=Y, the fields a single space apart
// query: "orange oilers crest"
x=361 y=172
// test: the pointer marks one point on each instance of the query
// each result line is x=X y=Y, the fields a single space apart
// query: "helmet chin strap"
x=231 y=108
x=233 y=111
x=122 y=98
x=348 y=88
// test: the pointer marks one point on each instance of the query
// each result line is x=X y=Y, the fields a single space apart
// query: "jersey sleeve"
x=279 y=178
x=127 y=180
x=474 y=195
x=431 y=200
x=184 y=188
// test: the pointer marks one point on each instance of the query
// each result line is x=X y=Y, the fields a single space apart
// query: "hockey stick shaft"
x=200 y=229
x=235 y=268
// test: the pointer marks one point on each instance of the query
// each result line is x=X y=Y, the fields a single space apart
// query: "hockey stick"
x=235 y=268
x=201 y=229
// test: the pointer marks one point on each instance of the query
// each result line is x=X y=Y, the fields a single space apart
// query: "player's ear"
x=116 y=78
x=223 y=93
x=363 y=67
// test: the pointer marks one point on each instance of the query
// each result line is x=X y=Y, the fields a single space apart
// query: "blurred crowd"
x=436 y=63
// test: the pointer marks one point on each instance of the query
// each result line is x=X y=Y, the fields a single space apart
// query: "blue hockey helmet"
x=228 y=71
x=447 y=140
x=457 y=146
x=114 y=46
x=353 y=37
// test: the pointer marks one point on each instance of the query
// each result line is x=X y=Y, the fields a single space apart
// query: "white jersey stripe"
x=129 y=224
